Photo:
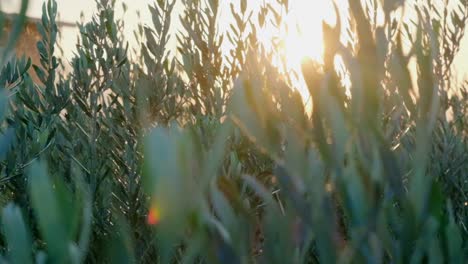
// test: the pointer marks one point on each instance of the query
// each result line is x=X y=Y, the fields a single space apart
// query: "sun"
x=303 y=37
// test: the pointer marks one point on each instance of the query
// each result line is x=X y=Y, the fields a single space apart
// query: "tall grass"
x=207 y=156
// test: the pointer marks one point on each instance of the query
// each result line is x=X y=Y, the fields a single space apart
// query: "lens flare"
x=154 y=215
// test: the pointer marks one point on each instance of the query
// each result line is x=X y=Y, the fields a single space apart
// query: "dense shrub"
x=194 y=154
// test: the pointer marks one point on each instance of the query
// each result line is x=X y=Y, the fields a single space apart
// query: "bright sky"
x=308 y=14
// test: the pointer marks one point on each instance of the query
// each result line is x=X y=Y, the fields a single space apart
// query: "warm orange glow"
x=301 y=37
x=154 y=215
x=304 y=35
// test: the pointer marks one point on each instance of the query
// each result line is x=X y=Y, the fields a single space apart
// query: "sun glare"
x=301 y=36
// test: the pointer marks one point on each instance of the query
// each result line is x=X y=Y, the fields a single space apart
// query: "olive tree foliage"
x=197 y=154
x=11 y=77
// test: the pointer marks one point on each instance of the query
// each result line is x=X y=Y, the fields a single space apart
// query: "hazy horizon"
x=70 y=11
